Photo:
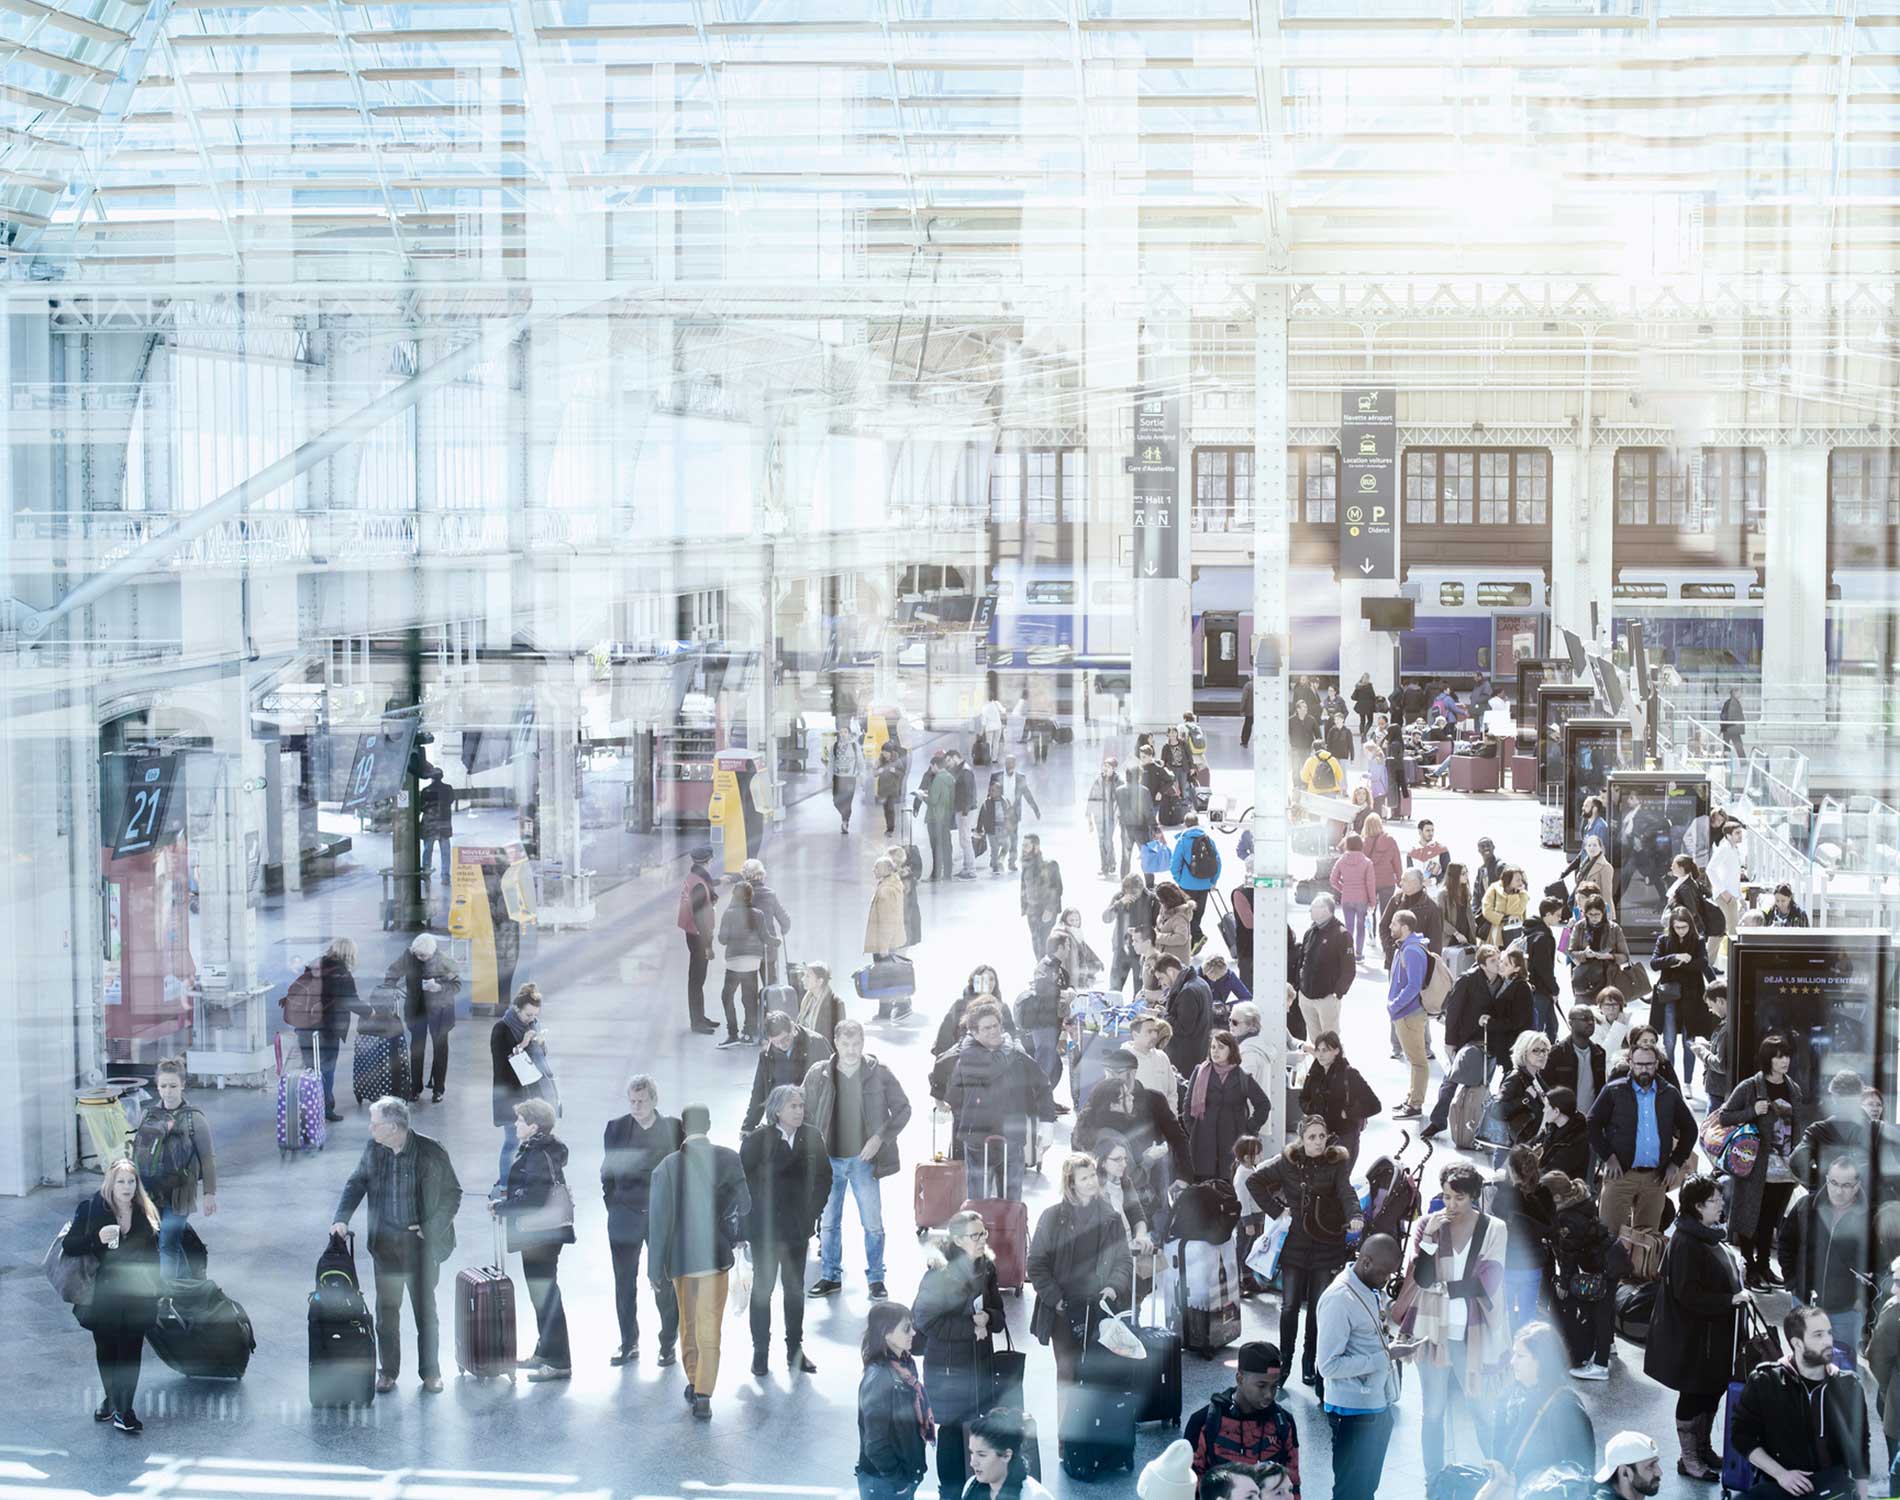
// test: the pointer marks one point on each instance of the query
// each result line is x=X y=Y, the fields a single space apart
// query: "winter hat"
x=1171 y=1476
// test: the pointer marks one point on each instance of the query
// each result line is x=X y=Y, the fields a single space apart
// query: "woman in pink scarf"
x=1224 y=1104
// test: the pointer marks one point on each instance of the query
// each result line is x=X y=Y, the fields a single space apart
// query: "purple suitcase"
x=300 y=1122
x=485 y=1319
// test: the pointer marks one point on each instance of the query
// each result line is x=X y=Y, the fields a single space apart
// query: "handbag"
x=1633 y=980
x=1644 y=1248
x=526 y=1072
x=1666 y=992
x=1755 y=1342
x=1154 y=857
x=1493 y=1130
x=552 y=1216
x=1264 y=1259
x=1467 y=1065
x=71 y=1276
x=1007 y=1368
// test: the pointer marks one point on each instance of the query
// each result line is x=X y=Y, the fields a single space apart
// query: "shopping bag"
x=526 y=1073
x=1264 y=1259
x=1154 y=857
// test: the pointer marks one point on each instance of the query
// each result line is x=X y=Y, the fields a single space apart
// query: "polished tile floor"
x=615 y=1005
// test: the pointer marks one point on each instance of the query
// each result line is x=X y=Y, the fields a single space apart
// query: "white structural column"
x=568 y=902
x=1163 y=685
x=1272 y=642
x=1360 y=649
x=1794 y=586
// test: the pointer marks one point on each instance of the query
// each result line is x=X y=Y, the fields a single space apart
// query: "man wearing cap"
x=697 y=1207
x=1139 y=1115
x=1244 y=1424
x=697 y=898
x=1631 y=1467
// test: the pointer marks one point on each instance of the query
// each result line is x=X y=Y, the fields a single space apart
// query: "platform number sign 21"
x=148 y=791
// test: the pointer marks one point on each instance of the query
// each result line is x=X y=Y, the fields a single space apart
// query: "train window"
x=1451 y=595
x=1708 y=591
x=1494 y=595
x=1050 y=591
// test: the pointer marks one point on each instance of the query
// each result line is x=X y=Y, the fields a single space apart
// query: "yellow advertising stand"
x=733 y=809
x=490 y=895
x=877 y=732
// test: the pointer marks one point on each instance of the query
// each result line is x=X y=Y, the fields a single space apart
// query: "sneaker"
x=127 y=1421
x=688 y=1393
x=878 y=1294
x=666 y=1356
x=824 y=1286
x=549 y=1372
x=436 y=1097
x=705 y=1028
x=432 y=1385
x=731 y=1041
x=1406 y=1112
x=1590 y=1370
x=385 y=1384
x=625 y=1355
x=747 y=1039
x=104 y=1413
x=702 y=1408
x=336 y=1119
x=1431 y=1130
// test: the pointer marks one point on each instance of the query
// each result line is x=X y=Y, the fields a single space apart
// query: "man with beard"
x=1804 y=1416
x=1632 y=1468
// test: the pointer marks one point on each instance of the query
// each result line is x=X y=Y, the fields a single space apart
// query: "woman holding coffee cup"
x=118 y=1227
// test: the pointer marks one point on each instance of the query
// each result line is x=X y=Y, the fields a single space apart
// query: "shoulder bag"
x=71 y=1276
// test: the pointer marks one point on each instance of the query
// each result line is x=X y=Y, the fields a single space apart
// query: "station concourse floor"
x=616 y=1005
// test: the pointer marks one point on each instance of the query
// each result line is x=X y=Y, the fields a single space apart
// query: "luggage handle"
x=501 y=1254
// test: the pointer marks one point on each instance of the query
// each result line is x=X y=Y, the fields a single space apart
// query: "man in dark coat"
x=1412 y=896
x=789 y=1177
x=1540 y=945
x=435 y=802
x=1577 y=1060
x=1139 y=1115
x=633 y=1145
x=1137 y=815
x=966 y=815
x=995 y=1089
x=428 y=983
x=1190 y=1011
x=1822 y=1243
x=1465 y=1010
x=413 y=1194
x=1322 y=967
x=1803 y=1415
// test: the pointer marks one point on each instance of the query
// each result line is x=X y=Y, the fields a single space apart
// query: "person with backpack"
x=742 y=935
x=698 y=897
x=318 y=1006
x=172 y=1150
x=1137 y=813
x=1195 y=867
x=1540 y=947
x=1322 y=775
x=1411 y=967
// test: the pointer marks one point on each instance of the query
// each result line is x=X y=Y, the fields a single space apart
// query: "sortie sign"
x=1368 y=485
x=1157 y=472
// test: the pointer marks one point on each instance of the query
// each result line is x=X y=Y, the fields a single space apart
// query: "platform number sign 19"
x=142 y=815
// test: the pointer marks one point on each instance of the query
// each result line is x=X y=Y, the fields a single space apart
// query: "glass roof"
x=430 y=137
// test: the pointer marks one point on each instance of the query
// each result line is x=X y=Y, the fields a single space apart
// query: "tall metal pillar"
x=1272 y=647
x=1162 y=654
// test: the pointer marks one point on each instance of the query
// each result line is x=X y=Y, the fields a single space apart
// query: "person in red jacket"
x=1245 y=1424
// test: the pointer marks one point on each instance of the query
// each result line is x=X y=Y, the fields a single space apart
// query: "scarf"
x=905 y=1369
x=1197 y=1106
x=518 y=1031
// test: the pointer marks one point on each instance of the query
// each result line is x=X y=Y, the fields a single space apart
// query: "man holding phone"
x=1359 y=1365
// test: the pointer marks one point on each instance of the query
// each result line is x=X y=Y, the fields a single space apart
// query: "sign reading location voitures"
x=1156 y=467
x=1368 y=485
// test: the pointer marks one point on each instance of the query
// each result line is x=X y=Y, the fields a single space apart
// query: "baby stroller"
x=1394 y=1192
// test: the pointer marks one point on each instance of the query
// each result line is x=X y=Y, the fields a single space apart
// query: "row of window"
x=1692 y=491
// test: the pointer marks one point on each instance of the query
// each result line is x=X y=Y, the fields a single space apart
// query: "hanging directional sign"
x=1368 y=485
x=1156 y=468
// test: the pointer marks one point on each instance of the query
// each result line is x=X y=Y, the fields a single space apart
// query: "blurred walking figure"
x=696 y=1215
x=172 y=1150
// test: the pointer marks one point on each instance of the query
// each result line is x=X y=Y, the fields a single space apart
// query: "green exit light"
x=1269 y=882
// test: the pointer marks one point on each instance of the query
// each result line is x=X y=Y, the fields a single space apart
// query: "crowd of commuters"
x=1587 y=1175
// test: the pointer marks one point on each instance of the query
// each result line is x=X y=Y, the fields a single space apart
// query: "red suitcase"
x=485 y=1319
x=1008 y=1224
x=937 y=1188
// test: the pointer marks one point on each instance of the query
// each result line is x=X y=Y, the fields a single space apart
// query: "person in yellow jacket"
x=1323 y=775
x=1505 y=901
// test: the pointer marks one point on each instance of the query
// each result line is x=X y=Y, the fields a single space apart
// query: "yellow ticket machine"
x=491 y=896
x=734 y=810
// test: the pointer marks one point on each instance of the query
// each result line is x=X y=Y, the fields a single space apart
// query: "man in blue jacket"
x=1411 y=966
x=1196 y=869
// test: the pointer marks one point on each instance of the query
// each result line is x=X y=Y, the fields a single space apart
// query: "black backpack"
x=1203 y=861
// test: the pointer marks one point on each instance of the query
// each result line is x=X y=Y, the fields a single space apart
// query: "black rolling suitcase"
x=1161 y=1391
x=1096 y=1433
x=342 y=1332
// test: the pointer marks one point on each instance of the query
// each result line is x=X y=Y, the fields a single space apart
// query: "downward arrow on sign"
x=1366 y=566
x=1151 y=570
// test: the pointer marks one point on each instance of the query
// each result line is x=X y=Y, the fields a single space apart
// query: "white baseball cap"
x=1625 y=1448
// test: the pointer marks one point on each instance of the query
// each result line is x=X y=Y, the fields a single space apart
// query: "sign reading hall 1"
x=1368 y=485
x=1157 y=470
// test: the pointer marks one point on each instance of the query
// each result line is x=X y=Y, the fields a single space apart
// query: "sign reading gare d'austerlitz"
x=1368 y=484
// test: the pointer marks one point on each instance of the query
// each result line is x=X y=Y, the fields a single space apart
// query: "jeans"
x=509 y=1140
x=702 y=1303
x=1670 y=1011
x=1359 y=1444
x=171 y=1254
x=440 y=848
x=1005 y=1166
x=889 y=804
x=1199 y=898
x=431 y=1027
x=626 y=1259
x=1354 y=916
x=1544 y=1013
x=876 y=1487
x=1442 y=1385
x=698 y=955
x=1522 y=1289
x=1045 y=1045
x=1125 y=963
x=406 y=1266
x=1105 y=843
x=783 y=1265
x=1847 y=1326
x=746 y=982
x=320 y=1050
x=1299 y=1292
x=860 y=1176
x=538 y=1269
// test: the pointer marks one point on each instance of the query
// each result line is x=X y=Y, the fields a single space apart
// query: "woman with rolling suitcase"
x=539 y=1213
x=117 y=1228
